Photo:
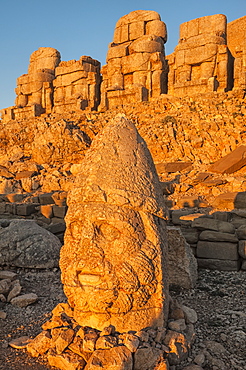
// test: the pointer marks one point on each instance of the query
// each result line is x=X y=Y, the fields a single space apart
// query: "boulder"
x=25 y=244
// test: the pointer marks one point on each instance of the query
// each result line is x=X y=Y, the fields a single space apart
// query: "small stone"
x=108 y=330
x=5 y=285
x=190 y=315
x=4 y=274
x=20 y=342
x=106 y=341
x=64 y=339
x=89 y=340
x=143 y=335
x=131 y=342
x=24 y=300
x=40 y=344
x=3 y=298
x=177 y=325
x=3 y=315
x=199 y=359
x=15 y=290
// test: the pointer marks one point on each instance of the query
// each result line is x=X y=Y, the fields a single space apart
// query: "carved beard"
x=100 y=287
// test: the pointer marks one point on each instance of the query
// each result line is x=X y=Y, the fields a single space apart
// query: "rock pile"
x=72 y=346
x=10 y=291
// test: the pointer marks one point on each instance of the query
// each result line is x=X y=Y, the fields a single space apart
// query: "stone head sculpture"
x=113 y=261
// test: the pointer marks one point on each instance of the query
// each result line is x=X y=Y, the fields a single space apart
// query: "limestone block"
x=135 y=62
x=157 y=61
x=121 y=34
x=204 y=223
x=240 y=200
x=147 y=44
x=70 y=78
x=189 y=29
x=215 y=24
x=218 y=264
x=136 y=30
x=201 y=40
x=242 y=248
x=138 y=15
x=116 y=235
x=190 y=234
x=200 y=54
x=157 y=28
x=215 y=236
x=139 y=78
x=116 y=82
x=44 y=57
x=241 y=232
x=114 y=66
x=182 y=265
x=232 y=162
x=179 y=58
x=225 y=201
x=22 y=80
x=118 y=51
x=217 y=250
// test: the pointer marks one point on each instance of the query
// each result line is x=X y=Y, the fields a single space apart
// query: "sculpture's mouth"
x=89 y=278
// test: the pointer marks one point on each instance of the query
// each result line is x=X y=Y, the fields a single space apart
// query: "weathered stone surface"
x=39 y=345
x=118 y=358
x=240 y=200
x=217 y=250
x=190 y=234
x=204 y=223
x=147 y=358
x=232 y=162
x=216 y=236
x=182 y=265
x=218 y=264
x=66 y=361
x=25 y=244
x=237 y=46
x=200 y=52
x=116 y=235
x=178 y=347
x=241 y=232
x=136 y=66
x=242 y=248
x=225 y=200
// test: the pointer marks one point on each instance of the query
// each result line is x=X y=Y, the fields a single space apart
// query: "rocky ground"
x=219 y=300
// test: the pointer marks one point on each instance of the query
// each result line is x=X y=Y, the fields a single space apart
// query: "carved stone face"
x=111 y=267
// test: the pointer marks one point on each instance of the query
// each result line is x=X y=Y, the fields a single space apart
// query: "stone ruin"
x=136 y=68
x=200 y=61
x=236 y=35
x=55 y=86
x=114 y=266
x=210 y=57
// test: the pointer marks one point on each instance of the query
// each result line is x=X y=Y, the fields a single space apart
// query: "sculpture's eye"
x=109 y=232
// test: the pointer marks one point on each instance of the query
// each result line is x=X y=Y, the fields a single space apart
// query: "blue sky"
x=78 y=27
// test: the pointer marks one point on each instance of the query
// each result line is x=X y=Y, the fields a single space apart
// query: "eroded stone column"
x=114 y=260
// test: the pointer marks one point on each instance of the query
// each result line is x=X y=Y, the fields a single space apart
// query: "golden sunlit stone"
x=113 y=261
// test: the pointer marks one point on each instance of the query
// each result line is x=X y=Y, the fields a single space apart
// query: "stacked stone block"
x=35 y=89
x=200 y=61
x=76 y=85
x=136 y=66
x=236 y=38
x=218 y=240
